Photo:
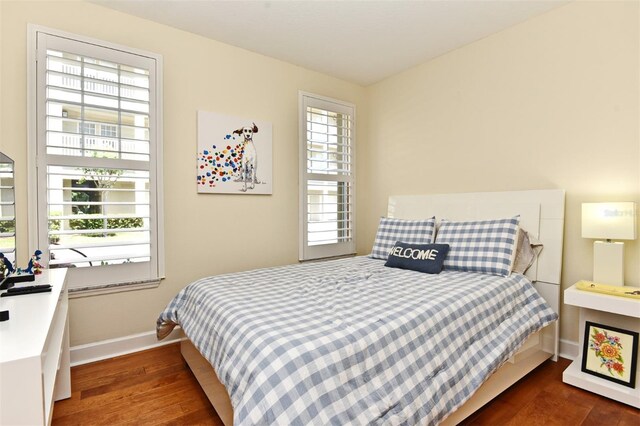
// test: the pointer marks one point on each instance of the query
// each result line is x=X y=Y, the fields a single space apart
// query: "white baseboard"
x=98 y=351
x=569 y=349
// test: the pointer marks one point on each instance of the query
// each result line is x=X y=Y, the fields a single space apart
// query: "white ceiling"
x=358 y=41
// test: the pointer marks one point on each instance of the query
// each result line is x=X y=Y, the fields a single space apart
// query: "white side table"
x=615 y=311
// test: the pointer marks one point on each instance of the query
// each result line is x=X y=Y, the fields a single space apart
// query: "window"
x=108 y=130
x=7 y=212
x=327 y=177
x=98 y=141
x=87 y=128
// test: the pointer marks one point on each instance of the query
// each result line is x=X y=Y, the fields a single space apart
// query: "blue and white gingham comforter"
x=354 y=342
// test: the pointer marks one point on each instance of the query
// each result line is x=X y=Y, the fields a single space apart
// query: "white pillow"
x=528 y=250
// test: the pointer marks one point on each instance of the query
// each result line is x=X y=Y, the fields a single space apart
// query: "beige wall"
x=204 y=234
x=550 y=103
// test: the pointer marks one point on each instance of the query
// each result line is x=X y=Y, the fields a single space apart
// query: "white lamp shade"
x=612 y=221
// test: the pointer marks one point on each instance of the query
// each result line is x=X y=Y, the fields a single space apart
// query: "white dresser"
x=34 y=352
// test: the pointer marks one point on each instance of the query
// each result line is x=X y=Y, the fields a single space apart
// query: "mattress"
x=354 y=342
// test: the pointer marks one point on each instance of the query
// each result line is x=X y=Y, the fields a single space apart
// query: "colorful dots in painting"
x=219 y=165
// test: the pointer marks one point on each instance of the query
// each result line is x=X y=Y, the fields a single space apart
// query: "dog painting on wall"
x=248 y=158
x=228 y=151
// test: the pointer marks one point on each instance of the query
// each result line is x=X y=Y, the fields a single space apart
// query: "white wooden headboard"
x=541 y=214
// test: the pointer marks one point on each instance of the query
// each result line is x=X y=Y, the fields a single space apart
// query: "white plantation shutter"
x=7 y=210
x=327 y=177
x=97 y=161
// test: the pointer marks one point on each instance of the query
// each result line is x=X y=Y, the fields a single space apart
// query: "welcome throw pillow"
x=428 y=258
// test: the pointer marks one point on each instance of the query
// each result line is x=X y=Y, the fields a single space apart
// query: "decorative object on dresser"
x=609 y=221
x=34 y=266
x=5 y=265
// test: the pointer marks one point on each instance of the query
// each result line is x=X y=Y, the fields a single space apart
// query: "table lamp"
x=609 y=221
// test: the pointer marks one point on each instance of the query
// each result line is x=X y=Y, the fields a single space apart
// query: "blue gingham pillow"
x=409 y=231
x=486 y=246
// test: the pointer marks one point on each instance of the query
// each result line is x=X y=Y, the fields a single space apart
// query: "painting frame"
x=234 y=155
x=610 y=353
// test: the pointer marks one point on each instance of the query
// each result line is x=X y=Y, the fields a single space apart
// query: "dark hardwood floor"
x=156 y=387
x=153 y=387
x=541 y=398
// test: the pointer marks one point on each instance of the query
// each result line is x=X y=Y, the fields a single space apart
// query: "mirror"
x=7 y=211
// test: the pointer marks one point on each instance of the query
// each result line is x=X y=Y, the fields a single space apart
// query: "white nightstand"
x=615 y=311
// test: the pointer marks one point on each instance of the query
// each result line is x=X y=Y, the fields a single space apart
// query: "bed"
x=352 y=341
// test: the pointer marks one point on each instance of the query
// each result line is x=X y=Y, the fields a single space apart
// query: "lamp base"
x=608 y=263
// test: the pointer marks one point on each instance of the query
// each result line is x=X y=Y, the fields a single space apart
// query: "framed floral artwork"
x=610 y=353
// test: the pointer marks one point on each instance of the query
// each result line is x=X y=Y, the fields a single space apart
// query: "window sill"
x=76 y=293
x=324 y=259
